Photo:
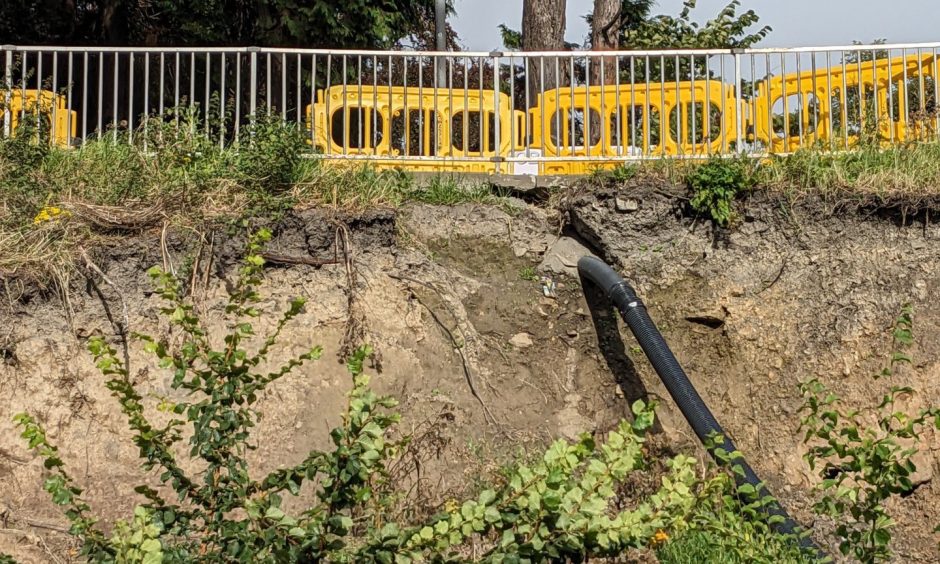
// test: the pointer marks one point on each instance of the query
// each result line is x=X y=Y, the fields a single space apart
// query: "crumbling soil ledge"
x=796 y=289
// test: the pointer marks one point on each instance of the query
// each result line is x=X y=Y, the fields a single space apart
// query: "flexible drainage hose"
x=706 y=427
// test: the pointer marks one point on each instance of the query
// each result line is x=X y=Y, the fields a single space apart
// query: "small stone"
x=521 y=340
x=572 y=333
x=519 y=250
x=626 y=205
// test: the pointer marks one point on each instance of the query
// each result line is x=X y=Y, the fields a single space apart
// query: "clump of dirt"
x=482 y=329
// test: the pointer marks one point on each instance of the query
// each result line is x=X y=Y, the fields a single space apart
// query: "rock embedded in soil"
x=521 y=340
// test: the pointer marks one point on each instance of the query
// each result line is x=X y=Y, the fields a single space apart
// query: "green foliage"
x=528 y=274
x=563 y=505
x=715 y=185
x=271 y=159
x=316 y=23
x=862 y=466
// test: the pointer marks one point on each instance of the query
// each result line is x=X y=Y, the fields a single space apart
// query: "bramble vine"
x=861 y=466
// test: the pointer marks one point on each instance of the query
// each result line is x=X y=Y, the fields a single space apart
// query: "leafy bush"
x=562 y=506
x=715 y=185
x=861 y=466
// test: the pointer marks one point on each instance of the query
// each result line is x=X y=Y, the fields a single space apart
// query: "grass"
x=177 y=173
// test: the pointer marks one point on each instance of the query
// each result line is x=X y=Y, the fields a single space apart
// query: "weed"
x=861 y=465
x=528 y=274
x=219 y=512
x=715 y=185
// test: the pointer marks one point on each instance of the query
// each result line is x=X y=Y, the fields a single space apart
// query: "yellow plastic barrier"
x=47 y=105
x=628 y=121
x=837 y=105
x=437 y=128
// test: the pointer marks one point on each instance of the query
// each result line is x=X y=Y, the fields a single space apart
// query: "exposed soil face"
x=484 y=353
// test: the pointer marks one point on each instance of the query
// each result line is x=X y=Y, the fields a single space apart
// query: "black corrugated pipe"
x=706 y=427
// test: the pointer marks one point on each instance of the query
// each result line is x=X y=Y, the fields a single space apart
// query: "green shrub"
x=715 y=185
x=860 y=465
x=558 y=507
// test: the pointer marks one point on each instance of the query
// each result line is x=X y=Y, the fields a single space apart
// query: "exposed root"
x=120 y=327
x=133 y=216
x=458 y=345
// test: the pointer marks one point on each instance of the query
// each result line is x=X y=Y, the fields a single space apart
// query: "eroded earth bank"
x=488 y=358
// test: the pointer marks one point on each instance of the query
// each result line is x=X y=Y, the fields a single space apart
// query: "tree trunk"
x=605 y=31
x=543 y=29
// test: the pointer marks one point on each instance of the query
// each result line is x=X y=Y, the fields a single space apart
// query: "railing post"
x=253 y=103
x=738 y=101
x=496 y=134
x=8 y=89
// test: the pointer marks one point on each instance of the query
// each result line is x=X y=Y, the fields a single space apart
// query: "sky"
x=794 y=22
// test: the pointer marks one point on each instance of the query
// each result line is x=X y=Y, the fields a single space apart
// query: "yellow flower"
x=451 y=505
x=49 y=213
x=660 y=537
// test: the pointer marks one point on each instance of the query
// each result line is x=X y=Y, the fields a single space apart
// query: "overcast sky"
x=794 y=22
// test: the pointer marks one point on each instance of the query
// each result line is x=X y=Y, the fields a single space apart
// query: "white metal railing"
x=489 y=111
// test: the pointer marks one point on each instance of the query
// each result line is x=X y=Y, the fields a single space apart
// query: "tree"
x=543 y=29
x=605 y=31
x=283 y=23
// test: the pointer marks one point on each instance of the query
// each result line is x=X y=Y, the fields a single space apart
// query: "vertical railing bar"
x=361 y=113
x=829 y=99
x=313 y=101
x=739 y=104
x=176 y=94
x=801 y=101
x=192 y=91
x=920 y=75
x=936 y=89
x=586 y=111
x=100 y=95
x=238 y=95
x=25 y=61
x=541 y=95
x=664 y=115
x=845 y=101
x=771 y=134
x=815 y=99
x=861 y=94
x=205 y=110
x=603 y=116
x=299 y=98
x=327 y=95
x=55 y=93
x=632 y=123
x=162 y=61
x=38 y=90
x=786 y=108
x=571 y=119
x=375 y=104
x=84 y=97
x=68 y=104
x=146 y=114
x=114 y=109
x=724 y=137
x=267 y=84
x=483 y=138
x=645 y=115
x=694 y=109
x=680 y=106
x=528 y=124
x=423 y=141
x=222 y=128
x=754 y=103
x=891 y=116
x=8 y=92
x=558 y=117
x=253 y=86
x=619 y=116
x=497 y=135
x=345 y=109
x=512 y=104
x=284 y=86
x=708 y=104
x=391 y=105
x=907 y=112
x=875 y=99
x=406 y=122
x=130 y=98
